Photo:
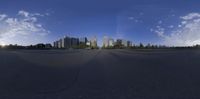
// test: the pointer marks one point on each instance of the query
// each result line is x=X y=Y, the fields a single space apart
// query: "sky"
x=163 y=22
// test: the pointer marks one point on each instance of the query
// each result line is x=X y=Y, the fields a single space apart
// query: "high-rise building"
x=74 y=42
x=105 y=41
x=55 y=44
x=83 y=41
x=60 y=43
x=67 y=42
x=94 y=42
x=129 y=43
x=63 y=42
x=111 y=42
x=108 y=42
x=124 y=43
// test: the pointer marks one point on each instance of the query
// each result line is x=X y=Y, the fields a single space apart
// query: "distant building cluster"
x=119 y=43
x=72 y=42
x=83 y=43
x=108 y=42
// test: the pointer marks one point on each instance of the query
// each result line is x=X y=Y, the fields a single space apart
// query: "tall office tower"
x=83 y=41
x=67 y=42
x=129 y=44
x=55 y=44
x=124 y=43
x=63 y=42
x=94 y=42
x=105 y=41
x=111 y=42
x=74 y=42
x=60 y=43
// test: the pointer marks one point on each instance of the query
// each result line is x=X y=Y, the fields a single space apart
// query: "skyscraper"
x=111 y=42
x=124 y=43
x=67 y=42
x=94 y=42
x=55 y=44
x=129 y=43
x=105 y=41
x=74 y=42
x=60 y=43
x=108 y=42
x=63 y=42
x=83 y=41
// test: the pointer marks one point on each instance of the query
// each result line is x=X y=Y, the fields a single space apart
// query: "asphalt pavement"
x=100 y=74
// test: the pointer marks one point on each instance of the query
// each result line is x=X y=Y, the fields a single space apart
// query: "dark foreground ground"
x=100 y=74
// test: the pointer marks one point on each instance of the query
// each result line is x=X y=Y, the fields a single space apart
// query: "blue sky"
x=148 y=21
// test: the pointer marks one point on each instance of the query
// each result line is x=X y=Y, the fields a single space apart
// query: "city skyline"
x=67 y=42
x=155 y=21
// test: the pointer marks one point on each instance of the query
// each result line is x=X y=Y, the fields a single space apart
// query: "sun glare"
x=2 y=44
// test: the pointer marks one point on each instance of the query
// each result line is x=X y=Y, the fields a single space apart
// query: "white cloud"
x=186 y=34
x=23 y=13
x=159 y=31
x=27 y=14
x=179 y=25
x=2 y=16
x=191 y=16
x=24 y=25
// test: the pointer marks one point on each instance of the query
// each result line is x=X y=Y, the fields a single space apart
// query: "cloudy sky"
x=169 y=22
